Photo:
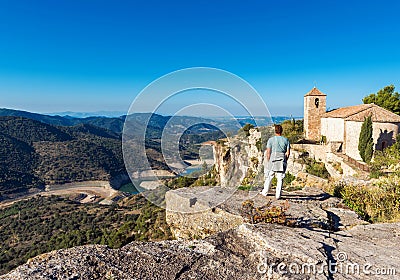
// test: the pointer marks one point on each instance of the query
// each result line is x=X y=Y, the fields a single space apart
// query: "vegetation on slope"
x=386 y=161
x=30 y=131
x=379 y=203
x=293 y=130
x=38 y=225
x=17 y=163
x=77 y=160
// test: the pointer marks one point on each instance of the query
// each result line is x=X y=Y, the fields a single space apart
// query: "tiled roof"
x=360 y=112
x=345 y=112
x=315 y=92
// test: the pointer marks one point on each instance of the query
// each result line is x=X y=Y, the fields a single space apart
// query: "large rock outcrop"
x=264 y=251
x=202 y=211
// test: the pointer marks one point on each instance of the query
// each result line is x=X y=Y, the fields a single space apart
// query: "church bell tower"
x=314 y=108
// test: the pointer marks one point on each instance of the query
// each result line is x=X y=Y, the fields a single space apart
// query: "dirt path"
x=100 y=189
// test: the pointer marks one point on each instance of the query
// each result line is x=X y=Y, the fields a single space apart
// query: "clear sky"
x=91 y=55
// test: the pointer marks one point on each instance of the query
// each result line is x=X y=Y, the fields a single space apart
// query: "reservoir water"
x=132 y=189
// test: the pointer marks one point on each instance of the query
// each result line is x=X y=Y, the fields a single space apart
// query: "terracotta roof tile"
x=378 y=114
x=360 y=112
x=315 y=92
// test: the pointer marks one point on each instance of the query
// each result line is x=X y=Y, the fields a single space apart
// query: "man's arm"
x=287 y=154
x=268 y=154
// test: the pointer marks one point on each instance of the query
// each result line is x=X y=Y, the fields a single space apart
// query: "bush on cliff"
x=386 y=161
x=293 y=130
x=380 y=203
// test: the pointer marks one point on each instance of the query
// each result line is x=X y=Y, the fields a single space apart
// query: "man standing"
x=275 y=161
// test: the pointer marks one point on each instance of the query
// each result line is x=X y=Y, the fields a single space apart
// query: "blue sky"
x=81 y=55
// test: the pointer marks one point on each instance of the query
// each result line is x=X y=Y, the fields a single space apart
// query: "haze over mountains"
x=114 y=120
x=109 y=114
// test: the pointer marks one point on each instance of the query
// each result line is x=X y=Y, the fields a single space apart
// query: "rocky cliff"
x=264 y=251
x=239 y=159
x=203 y=211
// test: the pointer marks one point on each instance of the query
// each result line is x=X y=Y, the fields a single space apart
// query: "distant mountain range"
x=108 y=120
x=116 y=124
x=109 y=114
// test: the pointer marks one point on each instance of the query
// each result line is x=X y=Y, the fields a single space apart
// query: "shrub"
x=338 y=167
x=386 y=161
x=366 y=143
x=316 y=168
x=245 y=187
x=293 y=130
x=289 y=178
x=380 y=203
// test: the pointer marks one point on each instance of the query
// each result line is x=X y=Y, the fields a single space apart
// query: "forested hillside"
x=33 y=154
x=17 y=163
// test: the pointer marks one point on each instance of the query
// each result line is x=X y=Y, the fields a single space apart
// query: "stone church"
x=342 y=126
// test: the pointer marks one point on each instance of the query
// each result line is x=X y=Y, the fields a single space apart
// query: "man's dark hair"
x=278 y=129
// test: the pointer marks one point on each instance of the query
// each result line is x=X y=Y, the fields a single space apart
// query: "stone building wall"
x=333 y=129
x=382 y=133
x=352 y=135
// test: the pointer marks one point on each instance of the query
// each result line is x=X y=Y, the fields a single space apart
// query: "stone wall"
x=319 y=152
x=348 y=171
x=324 y=153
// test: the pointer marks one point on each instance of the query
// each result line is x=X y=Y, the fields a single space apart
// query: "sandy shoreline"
x=99 y=189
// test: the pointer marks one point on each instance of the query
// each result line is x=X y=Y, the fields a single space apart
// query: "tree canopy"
x=386 y=98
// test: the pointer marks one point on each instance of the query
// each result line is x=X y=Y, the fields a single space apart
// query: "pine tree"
x=386 y=98
x=366 y=143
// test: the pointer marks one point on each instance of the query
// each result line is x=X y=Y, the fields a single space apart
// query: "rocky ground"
x=201 y=211
x=263 y=251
